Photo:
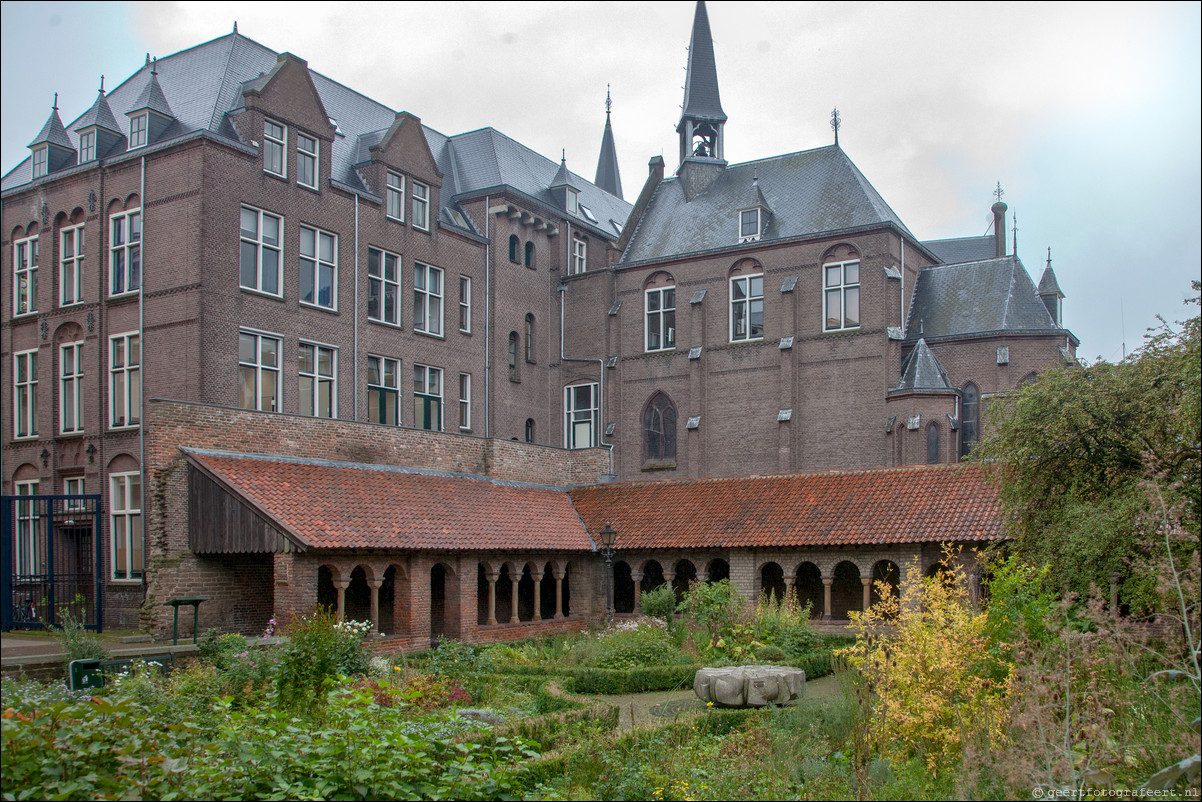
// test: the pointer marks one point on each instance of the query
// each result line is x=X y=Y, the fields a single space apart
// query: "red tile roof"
x=340 y=505
x=837 y=508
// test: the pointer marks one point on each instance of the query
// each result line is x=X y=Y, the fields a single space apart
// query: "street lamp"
x=608 y=538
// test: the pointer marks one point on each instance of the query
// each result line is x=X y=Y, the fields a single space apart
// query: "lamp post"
x=608 y=538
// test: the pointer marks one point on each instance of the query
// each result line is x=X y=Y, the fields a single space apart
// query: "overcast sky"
x=1088 y=115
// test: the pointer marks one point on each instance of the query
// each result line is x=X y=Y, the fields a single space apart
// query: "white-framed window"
x=841 y=295
x=318 y=372
x=384 y=390
x=70 y=274
x=70 y=388
x=25 y=394
x=260 y=254
x=318 y=268
x=125 y=253
x=749 y=225
x=125 y=502
x=87 y=146
x=572 y=201
x=41 y=162
x=25 y=276
x=579 y=255
x=275 y=148
x=465 y=304
x=660 y=305
x=747 y=308
x=394 y=197
x=582 y=416
x=427 y=299
x=427 y=398
x=465 y=401
x=26 y=556
x=138 y=125
x=383 y=287
x=125 y=380
x=74 y=487
x=306 y=161
x=259 y=371
x=421 y=206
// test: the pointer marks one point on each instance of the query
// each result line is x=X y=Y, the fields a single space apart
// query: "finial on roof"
x=154 y=66
x=836 y=121
x=998 y=193
x=608 y=102
x=1049 y=256
x=102 y=84
x=563 y=156
x=55 y=106
x=1014 y=214
x=148 y=59
x=235 y=26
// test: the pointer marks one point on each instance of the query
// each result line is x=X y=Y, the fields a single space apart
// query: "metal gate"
x=50 y=561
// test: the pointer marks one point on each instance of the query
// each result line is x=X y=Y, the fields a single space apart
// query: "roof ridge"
x=779 y=476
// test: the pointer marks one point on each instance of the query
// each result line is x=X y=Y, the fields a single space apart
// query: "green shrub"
x=659 y=603
x=635 y=643
x=318 y=649
x=453 y=658
x=77 y=641
x=715 y=606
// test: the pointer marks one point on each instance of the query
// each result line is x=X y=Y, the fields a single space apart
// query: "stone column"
x=374 y=584
x=559 y=574
x=491 y=576
x=703 y=577
x=866 y=581
x=827 y=581
x=341 y=585
x=538 y=597
x=513 y=595
x=637 y=576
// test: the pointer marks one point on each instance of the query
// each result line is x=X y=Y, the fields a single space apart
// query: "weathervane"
x=836 y=121
x=608 y=103
x=998 y=193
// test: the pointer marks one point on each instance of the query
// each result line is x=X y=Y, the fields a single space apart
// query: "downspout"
x=902 y=239
x=355 y=325
x=487 y=317
x=142 y=379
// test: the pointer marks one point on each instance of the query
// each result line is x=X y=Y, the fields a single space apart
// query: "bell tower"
x=701 y=118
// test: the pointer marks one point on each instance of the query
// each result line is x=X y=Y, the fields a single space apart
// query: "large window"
x=383 y=287
x=421 y=206
x=26 y=556
x=70 y=273
x=125 y=253
x=259 y=372
x=318 y=268
x=427 y=398
x=841 y=295
x=395 y=197
x=275 y=144
x=427 y=299
x=260 y=251
x=659 y=430
x=383 y=390
x=25 y=276
x=25 y=394
x=582 y=416
x=970 y=418
x=70 y=388
x=125 y=380
x=318 y=372
x=465 y=401
x=747 y=308
x=579 y=255
x=138 y=125
x=125 y=501
x=661 y=318
x=306 y=161
x=465 y=304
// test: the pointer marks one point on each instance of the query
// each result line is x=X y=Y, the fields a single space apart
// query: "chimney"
x=999 y=229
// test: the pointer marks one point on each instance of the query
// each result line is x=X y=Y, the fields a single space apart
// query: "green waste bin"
x=85 y=674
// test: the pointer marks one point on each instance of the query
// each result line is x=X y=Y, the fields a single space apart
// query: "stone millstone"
x=749 y=686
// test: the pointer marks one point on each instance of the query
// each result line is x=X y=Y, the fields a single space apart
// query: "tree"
x=1072 y=453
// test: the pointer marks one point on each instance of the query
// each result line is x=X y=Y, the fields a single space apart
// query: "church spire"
x=701 y=117
x=607 y=163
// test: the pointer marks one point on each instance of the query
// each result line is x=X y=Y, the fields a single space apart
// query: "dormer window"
x=750 y=224
x=572 y=201
x=137 y=130
x=87 y=146
x=41 y=164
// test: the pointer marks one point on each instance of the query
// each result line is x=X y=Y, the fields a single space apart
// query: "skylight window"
x=587 y=212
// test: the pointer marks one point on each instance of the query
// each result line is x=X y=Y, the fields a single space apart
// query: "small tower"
x=701 y=118
x=999 y=222
x=52 y=148
x=97 y=129
x=1050 y=294
x=607 y=163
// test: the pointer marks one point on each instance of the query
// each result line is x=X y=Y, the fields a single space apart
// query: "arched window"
x=529 y=254
x=530 y=338
x=529 y=430
x=513 y=356
x=970 y=414
x=933 y=444
x=514 y=245
x=659 y=430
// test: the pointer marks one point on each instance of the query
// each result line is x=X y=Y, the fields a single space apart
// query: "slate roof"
x=52 y=132
x=152 y=98
x=992 y=295
x=608 y=177
x=873 y=507
x=1048 y=284
x=99 y=115
x=962 y=249
x=809 y=192
x=340 y=505
x=701 y=99
x=922 y=371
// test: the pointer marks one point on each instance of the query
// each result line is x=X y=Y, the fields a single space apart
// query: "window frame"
x=528 y=255
x=381 y=391
x=87 y=146
x=421 y=205
x=529 y=334
x=40 y=162
x=512 y=357
x=260 y=368
x=126 y=505
x=25 y=394
x=666 y=334
x=277 y=146
x=465 y=402
x=26 y=255
x=310 y=398
x=579 y=255
x=394 y=196
x=70 y=388
x=659 y=444
x=576 y=415
x=70 y=268
x=759 y=218
x=427 y=300
x=311 y=157
x=465 y=304
x=260 y=245
x=515 y=245
x=139 y=130
x=127 y=247
x=842 y=291
x=379 y=283
x=25 y=539
x=315 y=263
x=129 y=372
x=743 y=309
x=74 y=486
x=430 y=376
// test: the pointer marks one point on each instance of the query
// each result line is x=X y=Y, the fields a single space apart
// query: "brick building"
x=229 y=229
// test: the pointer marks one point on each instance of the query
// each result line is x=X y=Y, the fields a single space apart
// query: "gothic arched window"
x=659 y=429
x=529 y=254
x=514 y=245
x=933 y=444
x=970 y=418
